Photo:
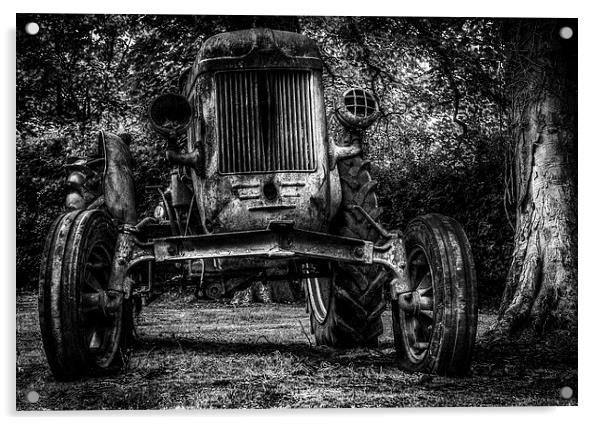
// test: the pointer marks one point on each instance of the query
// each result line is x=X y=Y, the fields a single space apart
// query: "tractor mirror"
x=170 y=114
x=357 y=108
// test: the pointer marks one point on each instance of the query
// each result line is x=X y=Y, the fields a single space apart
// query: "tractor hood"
x=256 y=48
x=241 y=43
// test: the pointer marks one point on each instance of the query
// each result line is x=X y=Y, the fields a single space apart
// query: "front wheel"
x=78 y=337
x=435 y=324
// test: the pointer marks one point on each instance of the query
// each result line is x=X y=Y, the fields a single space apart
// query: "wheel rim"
x=418 y=321
x=99 y=328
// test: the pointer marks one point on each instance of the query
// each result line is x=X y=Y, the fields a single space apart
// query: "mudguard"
x=117 y=179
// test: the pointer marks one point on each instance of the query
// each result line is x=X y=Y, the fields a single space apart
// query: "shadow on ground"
x=209 y=355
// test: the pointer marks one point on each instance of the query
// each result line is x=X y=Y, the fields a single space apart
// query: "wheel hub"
x=417 y=305
x=106 y=301
x=410 y=302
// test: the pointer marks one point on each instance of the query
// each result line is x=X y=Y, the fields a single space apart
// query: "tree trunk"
x=541 y=287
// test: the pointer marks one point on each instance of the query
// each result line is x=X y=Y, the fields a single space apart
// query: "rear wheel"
x=345 y=308
x=435 y=324
x=79 y=338
x=346 y=315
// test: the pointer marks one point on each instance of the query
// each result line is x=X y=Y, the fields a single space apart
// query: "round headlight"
x=358 y=108
x=170 y=114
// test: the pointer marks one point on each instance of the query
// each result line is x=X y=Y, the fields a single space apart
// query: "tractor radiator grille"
x=264 y=121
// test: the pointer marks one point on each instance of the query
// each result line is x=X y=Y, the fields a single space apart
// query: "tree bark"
x=541 y=286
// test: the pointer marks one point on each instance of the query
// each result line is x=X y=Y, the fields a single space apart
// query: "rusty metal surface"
x=118 y=182
x=392 y=255
x=188 y=159
x=180 y=193
x=263 y=152
x=249 y=49
x=271 y=243
x=129 y=251
x=348 y=145
x=262 y=253
x=240 y=43
x=236 y=202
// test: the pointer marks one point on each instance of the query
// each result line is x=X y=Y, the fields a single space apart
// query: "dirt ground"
x=194 y=354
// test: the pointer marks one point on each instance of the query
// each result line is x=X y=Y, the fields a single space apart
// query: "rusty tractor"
x=258 y=191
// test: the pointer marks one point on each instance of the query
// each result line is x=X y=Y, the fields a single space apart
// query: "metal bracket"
x=380 y=229
x=129 y=251
x=392 y=255
x=353 y=148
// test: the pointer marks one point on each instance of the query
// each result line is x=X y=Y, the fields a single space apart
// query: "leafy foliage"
x=438 y=146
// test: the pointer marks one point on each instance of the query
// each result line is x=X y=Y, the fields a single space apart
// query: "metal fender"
x=117 y=180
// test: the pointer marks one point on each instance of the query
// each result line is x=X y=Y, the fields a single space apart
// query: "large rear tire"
x=436 y=334
x=345 y=309
x=79 y=339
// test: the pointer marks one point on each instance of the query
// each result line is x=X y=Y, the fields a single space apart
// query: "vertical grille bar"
x=244 y=138
x=291 y=104
x=308 y=121
x=240 y=159
x=310 y=124
x=264 y=121
x=256 y=129
x=219 y=129
x=286 y=162
x=281 y=124
x=298 y=146
x=232 y=120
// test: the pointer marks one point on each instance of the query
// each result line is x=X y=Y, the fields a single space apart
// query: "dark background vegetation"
x=440 y=146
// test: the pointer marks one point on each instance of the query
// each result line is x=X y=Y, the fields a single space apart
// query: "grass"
x=193 y=354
